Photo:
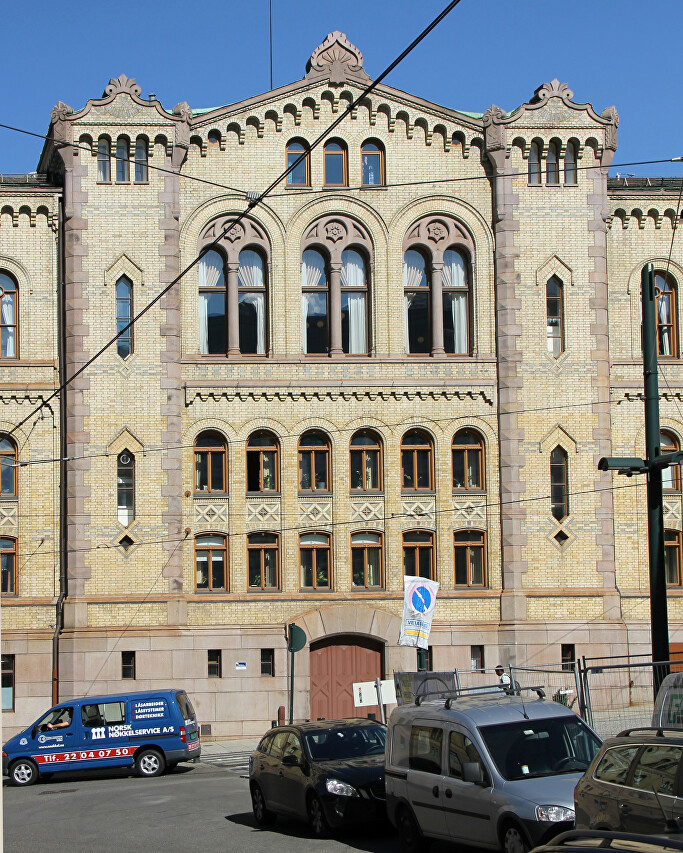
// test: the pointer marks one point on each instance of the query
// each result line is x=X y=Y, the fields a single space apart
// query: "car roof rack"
x=493 y=692
x=613 y=840
x=656 y=731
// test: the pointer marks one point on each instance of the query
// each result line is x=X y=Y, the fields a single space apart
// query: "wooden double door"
x=336 y=663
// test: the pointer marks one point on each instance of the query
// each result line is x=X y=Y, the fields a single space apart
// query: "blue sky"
x=486 y=51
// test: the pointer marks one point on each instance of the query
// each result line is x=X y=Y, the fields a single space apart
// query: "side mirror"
x=291 y=761
x=472 y=772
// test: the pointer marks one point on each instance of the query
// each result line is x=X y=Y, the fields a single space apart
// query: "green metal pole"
x=659 y=622
x=291 y=676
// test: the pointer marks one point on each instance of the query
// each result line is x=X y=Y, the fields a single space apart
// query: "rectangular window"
x=128 y=665
x=477 y=657
x=672 y=557
x=425 y=749
x=568 y=656
x=8 y=682
x=268 y=662
x=215 y=663
x=424 y=660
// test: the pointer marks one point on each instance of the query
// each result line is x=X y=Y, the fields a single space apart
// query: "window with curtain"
x=672 y=557
x=8 y=562
x=534 y=165
x=667 y=315
x=456 y=310
x=141 y=154
x=671 y=476
x=554 y=292
x=559 y=493
x=315 y=302
x=372 y=164
x=470 y=558
x=417 y=462
x=468 y=460
x=252 y=303
x=570 y=175
x=367 y=567
x=124 y=314
x=301 y=174
x=314 y=462
x=212 y=304
x=316 y=560
x=8 y=317
x=336 y=173
x=263 y=463
x=122 y=155
x=103 y=160
x=416 y=295
x=354 y=288
x=8 y=471
x=210 y=463
x=263 y=555
x=125 y=491
x=418 y=554
x=552 y=165
x=211 y=562
x=366 y=462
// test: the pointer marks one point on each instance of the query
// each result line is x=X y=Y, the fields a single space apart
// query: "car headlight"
x=554 y=814
x=340 y=789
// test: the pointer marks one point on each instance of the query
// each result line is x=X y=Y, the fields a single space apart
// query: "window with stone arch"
x=336 y=164
x=367 y=560
x=366 y=461
x=570 y=168
x=417 y=462
x=8 y=467
x=263 y=556
x=122 y=159
x=336 y=257
x=666 y=293
x=8 y=564
x=470 y=557
x=552 y=164
x=418 y=554
x=124 y=315
x=211 y=562
x=315 y=473
x=232 y=279
x=437 y=286
x=141 y=160
x=300 y=176
x=103 y=160
x=373 y=163
x=125 y=487
x=468 y=461
x=263 y=462
x=534 y=164
x=559 y=483
x=554 y=303
x=671 y=476
x=9 y=317
x=211 y=462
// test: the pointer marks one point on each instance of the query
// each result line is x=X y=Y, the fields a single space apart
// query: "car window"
x=614 y=764
x=278 y=744
x=425 y=749
x=185 y=706
x=461 y=751
x=345 y=742
x=293 y=747
x=102 y=713
x=656 y=767
x=264 y=745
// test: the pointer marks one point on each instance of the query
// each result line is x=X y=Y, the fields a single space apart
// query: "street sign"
x=297 y=638
x=365 y=693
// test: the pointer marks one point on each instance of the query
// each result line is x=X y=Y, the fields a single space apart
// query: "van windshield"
x=532 y=748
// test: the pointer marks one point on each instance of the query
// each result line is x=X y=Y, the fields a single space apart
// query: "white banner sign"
x=418 y=608
x=365 y=693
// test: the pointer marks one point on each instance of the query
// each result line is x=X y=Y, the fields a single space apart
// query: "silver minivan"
x=489 y=770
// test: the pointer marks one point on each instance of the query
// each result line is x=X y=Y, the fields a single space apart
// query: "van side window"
x=461 y=750
x=614 y=765
x=399 y=745
x=656 y=768
x=104 y=714
x=425 y=749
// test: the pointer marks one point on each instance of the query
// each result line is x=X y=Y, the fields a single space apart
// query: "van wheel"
x=23 y=772
x=316 y=817
x=262 y=815
x=412 y=840
x=149 y=762
x=514 y=841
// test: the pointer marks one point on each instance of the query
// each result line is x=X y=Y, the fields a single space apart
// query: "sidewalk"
x=215 y=748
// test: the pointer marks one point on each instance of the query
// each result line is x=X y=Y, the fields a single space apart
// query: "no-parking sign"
x=418 y=608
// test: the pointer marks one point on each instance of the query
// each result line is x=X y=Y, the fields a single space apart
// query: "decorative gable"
x=336 y=60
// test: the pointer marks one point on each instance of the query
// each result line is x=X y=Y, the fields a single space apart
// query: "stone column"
x=233 y=309
x=335 y=309
x=437 y=308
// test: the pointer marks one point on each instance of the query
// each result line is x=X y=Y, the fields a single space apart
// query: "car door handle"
x=435 y=790
x=625 y=808
x=448 y=792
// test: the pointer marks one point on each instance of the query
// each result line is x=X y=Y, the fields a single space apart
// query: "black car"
x=328 y=773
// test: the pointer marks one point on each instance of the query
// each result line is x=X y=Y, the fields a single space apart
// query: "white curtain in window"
x=312 y=269
x=210 y=270
x=353 y=269
x=7 y=314
x=664 y=315
x=408 y=301
x=460 y=324
x=251 y=269
x=256 y=299
x=454 y=271
x=304 y=319
x=413 y=269
x=204 y=323
x=357 y=323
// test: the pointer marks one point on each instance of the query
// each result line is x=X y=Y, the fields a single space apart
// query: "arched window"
x=263 y=554
x=468 y=460
x=211 y=562
x=559 y=491
x=252 y=302
x=667 y=315
x=552 y=165
x=8 y=470
x=103 y=160
x=336 y=172
x=141 y=155
x=316 y=560
x=570 y=164
x=366 y=462
x=372 y=164
x=125 y=491
x=213 y=137
x=314 y=462
x=554 y=316
x=671 y=476
x=534 y=164
x=212 y=299
x=354 y=314
x=8 y=564
x=456 y=310
x=210 y=463
x=301 y=173
x=367 y=568
x=124 y=314
x=263 y=463
x=9 y=316
x=122 y=156
x=418 y=554
x=315 y=311
x=417 y=462
x=470 y=557
x=417 y=302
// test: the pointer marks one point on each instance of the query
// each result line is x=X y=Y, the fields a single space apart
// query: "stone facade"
x=97 y=579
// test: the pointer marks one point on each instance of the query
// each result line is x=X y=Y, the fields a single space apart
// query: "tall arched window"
x=252 y=302
x=559 y=489
x=103 y=160
x=367 y=569
x=354 y=312
x=301 y=173
x=336 y=172
x=468 y=460
x=314 y=462
x=8 y=565
x=210 y=463
x=141 y=154
x=417 y=303
x=671 y=476
x=554 y=316
x=316 y=560
x=534 y=165
x=315 y=308
x=125 y=491
x=372 y=164
x=9 y=313
x=8 y=470
x=211 y=562
x=470 y=557
x=212 y=299
x=263 y=463
x=122 y=156
x=366 y=462
x=570 y=164
x=418 y=554
x=667 y=314
x=124 y=314
x=263 y=555
x=552 y=165
x=456 y=310
x=417 y=462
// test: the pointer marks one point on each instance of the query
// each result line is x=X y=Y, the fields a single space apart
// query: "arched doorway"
x=336 y=663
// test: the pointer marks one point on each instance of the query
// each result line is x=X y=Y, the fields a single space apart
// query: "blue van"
x=152 y=731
